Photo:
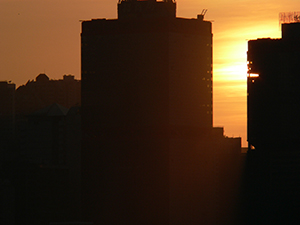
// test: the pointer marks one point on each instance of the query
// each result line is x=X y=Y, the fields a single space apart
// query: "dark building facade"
x=7 y=130
x=40 y=174
x=147 y=118
x=273 y=90
x=7 y=111
x=274 y=125
x=40 y=144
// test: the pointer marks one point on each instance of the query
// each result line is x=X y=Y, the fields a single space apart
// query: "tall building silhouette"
x=273 y=89
x=274 y=126
x=150 y=153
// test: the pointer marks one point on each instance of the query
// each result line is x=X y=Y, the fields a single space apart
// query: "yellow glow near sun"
x=234 y=71
x=230 y=50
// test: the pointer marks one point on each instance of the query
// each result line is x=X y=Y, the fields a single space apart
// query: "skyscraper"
x=147 y=117
x=274 y=124
x=273 y=91
x=144 y=56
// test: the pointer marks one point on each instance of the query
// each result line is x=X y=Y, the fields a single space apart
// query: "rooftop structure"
x=289 y=17
x=146 y=8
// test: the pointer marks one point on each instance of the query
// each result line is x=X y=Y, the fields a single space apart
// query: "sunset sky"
x=38 y=36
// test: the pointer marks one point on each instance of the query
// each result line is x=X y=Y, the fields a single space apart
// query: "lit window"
x=253 y=75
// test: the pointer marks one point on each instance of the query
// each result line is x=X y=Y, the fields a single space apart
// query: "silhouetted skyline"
x=151 y=153
x=43 y=37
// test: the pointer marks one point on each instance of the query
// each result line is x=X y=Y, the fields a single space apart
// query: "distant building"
x=7 y=114
x=274 y=126
x=42 y=92
x=150 y=154
x=7 y=99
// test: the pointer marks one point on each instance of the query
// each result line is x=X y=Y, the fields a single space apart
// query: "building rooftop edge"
x=116 y=19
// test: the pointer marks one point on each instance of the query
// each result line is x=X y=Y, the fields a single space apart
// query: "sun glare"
x=231 y=71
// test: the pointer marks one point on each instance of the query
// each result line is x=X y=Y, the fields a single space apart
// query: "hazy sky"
x=38 y=36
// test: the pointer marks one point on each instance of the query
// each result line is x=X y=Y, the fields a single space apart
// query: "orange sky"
x=39 y=36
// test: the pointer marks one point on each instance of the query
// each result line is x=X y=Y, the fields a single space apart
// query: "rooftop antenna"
x=203 y=12
x=201 y=16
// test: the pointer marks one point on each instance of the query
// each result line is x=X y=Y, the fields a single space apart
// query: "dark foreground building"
x=150 y=154
x=273 y=87
x=40 y=171
x=274 y=127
